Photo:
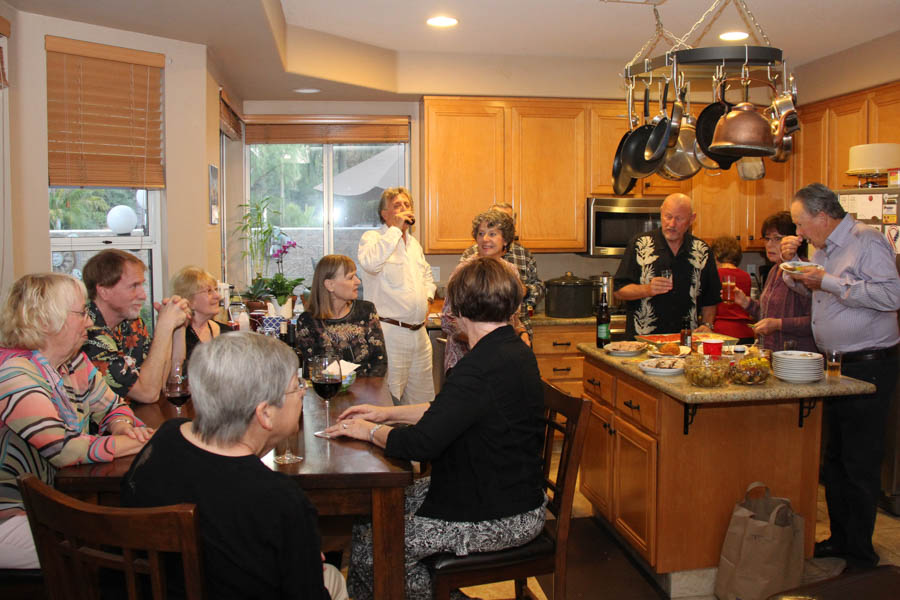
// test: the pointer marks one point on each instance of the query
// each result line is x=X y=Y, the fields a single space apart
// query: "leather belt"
x=877 y=354
x=410 y=326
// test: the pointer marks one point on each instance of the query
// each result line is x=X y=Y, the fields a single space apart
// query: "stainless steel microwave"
x=611 y=222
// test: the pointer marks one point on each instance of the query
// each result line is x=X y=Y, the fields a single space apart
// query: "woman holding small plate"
x=783 y=317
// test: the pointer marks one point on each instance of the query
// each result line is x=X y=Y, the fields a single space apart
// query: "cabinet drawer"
x=599 y=383
x=561 y=340
x=637 y=405
x=561 y=367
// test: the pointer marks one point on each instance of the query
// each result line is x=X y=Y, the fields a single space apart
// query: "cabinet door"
x=884 y=114
x=717 y=201
x=596 y=460
x=767 y=196
x=847 y=126
x=634 y=487
x=608 y=125
x=464 y=169
x=548 y=180
x=811 y=147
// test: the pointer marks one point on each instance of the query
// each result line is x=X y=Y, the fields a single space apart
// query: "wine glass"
x=324 y=370
x=177 y=389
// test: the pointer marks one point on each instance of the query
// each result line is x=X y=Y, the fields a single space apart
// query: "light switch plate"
x=436 y=273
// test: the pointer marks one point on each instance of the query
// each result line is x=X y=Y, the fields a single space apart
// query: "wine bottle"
x=686 y=332
x=603 y=320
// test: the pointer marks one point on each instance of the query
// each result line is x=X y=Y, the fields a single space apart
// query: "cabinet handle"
x=751 y=238
x=593 y=381
x=631 y=405
x=605 y=425
x=562 y=343
x=562 y=370
x=738 y=237
x=611 y=430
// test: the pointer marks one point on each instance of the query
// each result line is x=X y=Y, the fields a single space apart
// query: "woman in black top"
x=482 y=435
x=337 y=322
x=201 y=291
x=258 y=530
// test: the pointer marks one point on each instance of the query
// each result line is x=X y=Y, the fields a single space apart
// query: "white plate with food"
x=795 y=267
x=670 y=350
x=625 y=348
x=662 y=366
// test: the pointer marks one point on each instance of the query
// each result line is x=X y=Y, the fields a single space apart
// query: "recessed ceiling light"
x=734 y=36
x=307 y=90
x=442 y=21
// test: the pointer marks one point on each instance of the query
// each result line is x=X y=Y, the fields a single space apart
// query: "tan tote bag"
x=763 y=549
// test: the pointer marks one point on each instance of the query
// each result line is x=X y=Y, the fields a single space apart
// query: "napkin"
x=346 y=368
x=270 y=310
x=286 y=310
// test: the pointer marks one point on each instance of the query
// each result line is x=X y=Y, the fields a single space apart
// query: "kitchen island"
x=665 y=461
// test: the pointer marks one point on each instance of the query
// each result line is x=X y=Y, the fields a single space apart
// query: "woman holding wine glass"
x=337 y=322
x=482 y=435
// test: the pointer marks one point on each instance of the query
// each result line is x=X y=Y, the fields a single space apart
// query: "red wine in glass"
x=177 y=389
x=327 y=386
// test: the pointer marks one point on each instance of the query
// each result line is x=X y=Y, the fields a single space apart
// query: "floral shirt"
x=356 y=337
x=119 y=352
x=696 y=282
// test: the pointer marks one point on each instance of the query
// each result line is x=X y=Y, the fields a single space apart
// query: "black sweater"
x=482 y=434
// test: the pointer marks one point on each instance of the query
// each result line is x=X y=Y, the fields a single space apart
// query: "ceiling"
x=240 y=37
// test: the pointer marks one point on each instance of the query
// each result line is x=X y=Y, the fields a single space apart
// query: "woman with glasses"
x=201 y=291
x=783 y=317
x=51 y=397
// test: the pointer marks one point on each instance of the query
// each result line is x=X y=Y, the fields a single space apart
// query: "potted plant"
x=259 y=233
x=281 y=287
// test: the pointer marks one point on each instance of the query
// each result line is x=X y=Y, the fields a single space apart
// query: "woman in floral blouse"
x=51 y=396
x=336 y=321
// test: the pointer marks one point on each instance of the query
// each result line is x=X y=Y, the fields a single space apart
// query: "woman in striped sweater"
x=51 y=398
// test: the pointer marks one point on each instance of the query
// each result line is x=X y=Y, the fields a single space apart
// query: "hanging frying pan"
x=633 y=161
x=665 y=133
x=681 y=162
x=622 y=181
x=706 y=128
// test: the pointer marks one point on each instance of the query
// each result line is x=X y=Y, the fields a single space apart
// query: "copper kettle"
x=744 y=131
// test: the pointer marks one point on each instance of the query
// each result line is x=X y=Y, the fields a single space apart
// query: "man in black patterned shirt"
x=525 y=264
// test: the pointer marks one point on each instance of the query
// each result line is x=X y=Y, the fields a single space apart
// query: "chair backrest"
x=75 y=539
x=561 y=487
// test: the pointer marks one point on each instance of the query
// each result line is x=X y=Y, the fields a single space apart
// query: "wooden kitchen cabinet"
x=596 y=474
x=847 y=126
x=884 y=114
x=811 y=146
x=719 y=203
x=634 y=487
x=558 y=360
x=765 y=197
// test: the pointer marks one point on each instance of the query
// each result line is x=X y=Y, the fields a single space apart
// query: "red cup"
x=712 y=347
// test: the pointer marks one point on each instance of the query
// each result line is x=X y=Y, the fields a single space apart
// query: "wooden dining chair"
x=546 y=553
x=75 y=540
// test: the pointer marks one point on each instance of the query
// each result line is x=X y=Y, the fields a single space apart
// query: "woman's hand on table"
x=126 y=427
x=358 y=429
x=368 y=412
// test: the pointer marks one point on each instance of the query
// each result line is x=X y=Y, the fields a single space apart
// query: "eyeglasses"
x=774 y=239
x=208 y=291
x=300 y=389
x=82 y=313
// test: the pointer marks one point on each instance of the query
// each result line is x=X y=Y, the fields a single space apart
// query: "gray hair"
x=495 y=219
x=230 y=376
x=36 y=306
x=388 y=196
x=818 y=198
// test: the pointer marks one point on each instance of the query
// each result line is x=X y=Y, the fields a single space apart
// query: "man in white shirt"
x=398 y=280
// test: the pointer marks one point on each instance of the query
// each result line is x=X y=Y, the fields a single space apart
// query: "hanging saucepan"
x=751 y=168
x=621 y=180
x=744 y=131
x=783 y=149
x=681 y=162
x=706 y=128
x=665 y=133
x=633 y=161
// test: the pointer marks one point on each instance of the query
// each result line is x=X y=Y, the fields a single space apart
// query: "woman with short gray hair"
x=257 y=527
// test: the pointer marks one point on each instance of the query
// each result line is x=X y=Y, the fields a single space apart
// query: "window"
x=323 y=196
x=105 y=154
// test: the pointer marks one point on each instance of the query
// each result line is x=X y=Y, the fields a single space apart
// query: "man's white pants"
x=409 y=364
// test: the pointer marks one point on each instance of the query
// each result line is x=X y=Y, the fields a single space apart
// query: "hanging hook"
x=647 y=69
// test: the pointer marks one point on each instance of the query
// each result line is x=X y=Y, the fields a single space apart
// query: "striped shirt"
x=40 y=431
x=856 y=309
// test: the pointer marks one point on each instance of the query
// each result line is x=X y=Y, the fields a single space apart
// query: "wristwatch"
x=710 y=325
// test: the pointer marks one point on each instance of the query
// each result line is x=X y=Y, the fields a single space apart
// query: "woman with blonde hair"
x=201 y=291
x=337 y=321
x=50 y=397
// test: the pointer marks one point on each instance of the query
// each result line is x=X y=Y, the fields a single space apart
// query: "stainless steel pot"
x=569 y=297
x=603 y=283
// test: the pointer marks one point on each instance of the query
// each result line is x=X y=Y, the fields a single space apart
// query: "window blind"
x=229 y=122
x=104 y=115
x=299 y=129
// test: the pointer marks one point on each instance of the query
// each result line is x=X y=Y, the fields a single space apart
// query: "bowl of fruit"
x=704 y=370
x=750 y=370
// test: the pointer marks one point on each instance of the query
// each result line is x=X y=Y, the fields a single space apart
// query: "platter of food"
x=625 y=348
x=662 y=338
x=798 y=266
x=662 y=366
x=670 y=349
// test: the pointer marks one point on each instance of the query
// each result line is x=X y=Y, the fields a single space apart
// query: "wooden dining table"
x=341 y=477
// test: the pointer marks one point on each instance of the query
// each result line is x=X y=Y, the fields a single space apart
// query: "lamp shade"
x=121 y=219
x=872 y=159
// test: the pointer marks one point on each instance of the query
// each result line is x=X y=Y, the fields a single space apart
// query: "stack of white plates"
x=797 y=366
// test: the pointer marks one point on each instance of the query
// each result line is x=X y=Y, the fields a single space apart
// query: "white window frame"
x=6 y=259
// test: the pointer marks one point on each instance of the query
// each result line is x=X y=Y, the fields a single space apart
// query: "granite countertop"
x=678 y=387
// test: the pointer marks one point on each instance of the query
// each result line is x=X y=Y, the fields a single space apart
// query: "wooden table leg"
x=388 y=542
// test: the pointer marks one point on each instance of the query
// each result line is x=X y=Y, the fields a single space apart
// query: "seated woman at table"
x=51 y=397
x=258 y=529
x=731 y=318
x=482 y=435
x=201 y=291
x=493 y=232
x=336 y=321
x=784 y=319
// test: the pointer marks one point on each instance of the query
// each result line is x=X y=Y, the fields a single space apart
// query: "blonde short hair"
x=37 y=305
x=190 y=279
